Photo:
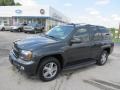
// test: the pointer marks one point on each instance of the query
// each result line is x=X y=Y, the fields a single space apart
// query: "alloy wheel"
x=50 y=70
x=103 y=58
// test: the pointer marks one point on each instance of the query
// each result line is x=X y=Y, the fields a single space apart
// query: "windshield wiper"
x=50 y=36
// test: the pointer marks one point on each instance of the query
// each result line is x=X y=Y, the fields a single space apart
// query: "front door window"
x=82 y=34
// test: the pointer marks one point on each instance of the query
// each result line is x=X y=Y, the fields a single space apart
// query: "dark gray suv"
x=63 y=47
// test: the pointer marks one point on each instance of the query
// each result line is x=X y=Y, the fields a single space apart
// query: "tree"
x=8 y=3
x=17 y=4
x=1 y=2
x=113 y=32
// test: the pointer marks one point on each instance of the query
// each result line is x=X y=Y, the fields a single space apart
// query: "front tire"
x=103 y=58
x=49 y=69
x=19 y=30
x=25 y=31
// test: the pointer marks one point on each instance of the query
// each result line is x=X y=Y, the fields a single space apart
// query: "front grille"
x=16 y=51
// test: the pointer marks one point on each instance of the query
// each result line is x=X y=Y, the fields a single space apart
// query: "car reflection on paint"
x=18 y=27
x=34 y=27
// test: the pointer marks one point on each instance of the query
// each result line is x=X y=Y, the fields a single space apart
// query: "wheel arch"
x=3 y=28
x=57 y=56
x=107 y=49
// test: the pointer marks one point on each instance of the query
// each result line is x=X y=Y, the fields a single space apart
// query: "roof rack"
x=83 y=24
x=78 y=24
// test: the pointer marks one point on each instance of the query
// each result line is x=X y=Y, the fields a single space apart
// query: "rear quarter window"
x=105 y=33
x=96 y=34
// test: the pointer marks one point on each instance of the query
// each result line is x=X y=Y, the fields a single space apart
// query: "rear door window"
x=96 y=34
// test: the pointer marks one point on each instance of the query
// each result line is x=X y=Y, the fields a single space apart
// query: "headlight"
x=26 y=55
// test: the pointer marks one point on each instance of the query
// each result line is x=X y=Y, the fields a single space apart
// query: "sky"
x=98 y=12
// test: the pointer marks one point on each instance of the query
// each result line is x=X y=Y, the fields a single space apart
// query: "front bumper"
x=29 y=30
x=29 y=67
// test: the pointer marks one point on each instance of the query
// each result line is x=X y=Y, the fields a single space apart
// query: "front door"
x=81 y=50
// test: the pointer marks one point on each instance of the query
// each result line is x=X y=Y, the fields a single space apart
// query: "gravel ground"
x=94 y=77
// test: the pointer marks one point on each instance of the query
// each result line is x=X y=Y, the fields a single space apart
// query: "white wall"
x=33 y=11
x=9 y=11
x=58 y=15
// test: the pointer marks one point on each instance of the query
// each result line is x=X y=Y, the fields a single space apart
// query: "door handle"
x=107 y=34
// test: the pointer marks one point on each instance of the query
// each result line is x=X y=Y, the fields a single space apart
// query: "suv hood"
x=34 y=42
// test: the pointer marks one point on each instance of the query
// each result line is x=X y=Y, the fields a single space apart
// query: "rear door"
x=96 y=39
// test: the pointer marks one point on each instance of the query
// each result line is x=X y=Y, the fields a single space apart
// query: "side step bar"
x=76 y=66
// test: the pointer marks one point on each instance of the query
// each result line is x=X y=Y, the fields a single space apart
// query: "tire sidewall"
x=25 y=31
x=99 y=62
x=19 y=30
x=43 y=63
x=3 y=29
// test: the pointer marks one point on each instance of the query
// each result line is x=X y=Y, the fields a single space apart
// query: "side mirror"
x=75 y=41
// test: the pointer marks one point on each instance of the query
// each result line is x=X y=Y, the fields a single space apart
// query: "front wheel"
x=19 y=30
x=25 y=31
x=49 y=69
x=103 y=58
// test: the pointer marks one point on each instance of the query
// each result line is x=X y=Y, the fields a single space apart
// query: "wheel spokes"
x=50 y=70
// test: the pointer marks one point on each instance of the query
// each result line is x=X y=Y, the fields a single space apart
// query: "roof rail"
x=78 y=24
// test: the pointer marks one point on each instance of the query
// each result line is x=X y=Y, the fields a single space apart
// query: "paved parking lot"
x=89 y=78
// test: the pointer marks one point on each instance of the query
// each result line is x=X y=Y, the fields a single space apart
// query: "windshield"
x=60 y=32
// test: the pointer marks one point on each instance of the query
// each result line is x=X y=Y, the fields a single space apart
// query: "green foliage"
x=17 y=4
x=116 y=40
x=1 y=2
x=8 y=3
x=112 y=30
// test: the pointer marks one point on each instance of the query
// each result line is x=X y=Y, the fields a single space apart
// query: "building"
x=32 y=14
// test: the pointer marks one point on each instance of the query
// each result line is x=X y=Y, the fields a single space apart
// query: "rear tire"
x=103 y=58
x=35 y=32
x=19 y=30
x=3 y=29
x=49 y=69
x=25 y=32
